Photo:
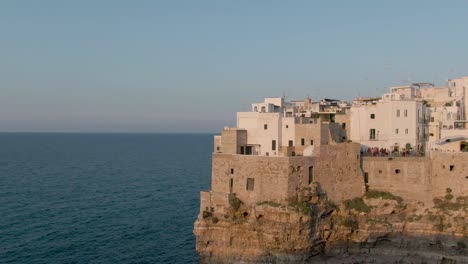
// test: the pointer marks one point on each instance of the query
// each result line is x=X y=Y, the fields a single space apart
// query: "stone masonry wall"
x=408 y=177
x=338 y=171
x=269 y=174
x=419 y=178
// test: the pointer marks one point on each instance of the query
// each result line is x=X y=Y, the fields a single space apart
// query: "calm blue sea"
x=101 y=198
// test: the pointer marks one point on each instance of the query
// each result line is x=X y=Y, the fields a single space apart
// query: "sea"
x=101 y=198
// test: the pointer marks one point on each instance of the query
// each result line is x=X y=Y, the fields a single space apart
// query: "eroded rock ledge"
x=376 y=228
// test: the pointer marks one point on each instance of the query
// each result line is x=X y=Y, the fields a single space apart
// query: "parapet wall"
x=449 y=170
x=419 y=178
x=408 y=177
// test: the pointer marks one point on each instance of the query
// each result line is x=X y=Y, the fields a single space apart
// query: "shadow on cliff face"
x=397 y=249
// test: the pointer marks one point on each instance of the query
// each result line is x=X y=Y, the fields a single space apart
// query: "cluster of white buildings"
x=414 y=118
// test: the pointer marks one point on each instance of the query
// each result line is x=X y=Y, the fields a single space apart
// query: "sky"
x=189 y=66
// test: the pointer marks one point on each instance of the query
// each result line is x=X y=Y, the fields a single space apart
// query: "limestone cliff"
x=376 y=228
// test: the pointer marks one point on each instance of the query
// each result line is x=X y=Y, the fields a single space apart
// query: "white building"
x=394 y=121
x=278 y=128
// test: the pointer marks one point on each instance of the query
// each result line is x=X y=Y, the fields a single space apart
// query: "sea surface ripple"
x=101 y=198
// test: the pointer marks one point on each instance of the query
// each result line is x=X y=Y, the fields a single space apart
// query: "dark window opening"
x=231 y=185
x=311 y=174
x=380 y=171
x=273 y=145
x=372 y=116
x=290 y=143
x=452 y=167
x=217 y=148
x=397 y=171
x=248 y=150
x=287 y=126
x=232 y=171
x=311 y=142
x=250 y=184
x=265 y=126
x=302 y=141
x=343 y=125
x=293 y=153
x=242 y=150
x=372 y=134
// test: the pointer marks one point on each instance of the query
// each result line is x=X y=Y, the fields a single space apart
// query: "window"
x=372 y=116
x=398 y=113
x=231 y=185
x=311 y=142
x=406 y=131
x=397 y=171
x=302 y=142
x=217 y=148
x=290 y=143
x=431 y=134
x=343 y=125
x=406 y=113
x=250 y=184
x=287 y=126
x=372 y=134
x=232 y=171
x=396 y=131
x=273 y=145
x=311 y=174
x=265 y=126
x=452 y=167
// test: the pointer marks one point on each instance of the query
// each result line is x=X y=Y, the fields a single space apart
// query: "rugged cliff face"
x=376 y=228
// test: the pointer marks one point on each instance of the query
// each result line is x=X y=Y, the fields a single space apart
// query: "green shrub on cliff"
x=373 y=194
x=357 y=204
x=300 y=206
x=235 y=202
x=270 y=203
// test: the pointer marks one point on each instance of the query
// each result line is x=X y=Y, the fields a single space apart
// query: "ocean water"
x=101 y=198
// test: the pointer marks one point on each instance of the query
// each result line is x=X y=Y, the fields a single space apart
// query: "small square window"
x=397 y=171
x=372 y=116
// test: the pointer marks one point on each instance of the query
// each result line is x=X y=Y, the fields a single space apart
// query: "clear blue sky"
x=188 y=66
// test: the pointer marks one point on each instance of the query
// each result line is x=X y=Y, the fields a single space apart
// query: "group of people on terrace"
x=383 y=152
